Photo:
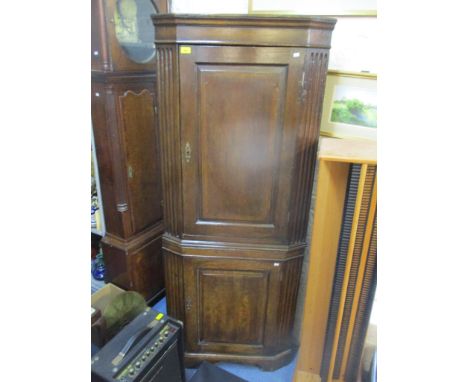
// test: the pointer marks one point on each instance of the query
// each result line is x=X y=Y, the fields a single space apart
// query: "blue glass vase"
x=99 y=268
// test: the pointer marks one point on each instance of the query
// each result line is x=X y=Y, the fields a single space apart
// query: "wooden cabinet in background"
x=239 y=105
x=123 y=104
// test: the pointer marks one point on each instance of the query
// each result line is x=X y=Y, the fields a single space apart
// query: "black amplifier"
x=148 y=349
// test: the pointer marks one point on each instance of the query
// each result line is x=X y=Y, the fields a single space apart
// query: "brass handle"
x=122 y=207
x=188 y=152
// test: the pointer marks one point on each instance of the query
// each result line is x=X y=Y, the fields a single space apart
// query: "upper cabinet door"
x=239 y=120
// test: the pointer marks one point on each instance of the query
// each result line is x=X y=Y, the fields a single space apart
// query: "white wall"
x=210 y=6
x=354 y=45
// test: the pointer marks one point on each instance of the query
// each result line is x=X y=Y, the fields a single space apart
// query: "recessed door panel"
x=221 y=320
x=238 y=143
x=140 y=145
x=239 y=134
x=230 y=304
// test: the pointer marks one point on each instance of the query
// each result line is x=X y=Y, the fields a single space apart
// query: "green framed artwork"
x=350 y=105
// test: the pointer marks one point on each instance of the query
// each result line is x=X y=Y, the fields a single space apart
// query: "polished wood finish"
x=341 y=276
x=136 y=264
x=237 y=182
x=290 y=31
x=124 y=125
x=239 y=104
x=126 y=147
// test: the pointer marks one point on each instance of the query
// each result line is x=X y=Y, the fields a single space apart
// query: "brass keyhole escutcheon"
x=188 y=152
x=188 y=304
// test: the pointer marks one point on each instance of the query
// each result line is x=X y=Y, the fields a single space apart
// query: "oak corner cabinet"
x=239 y=105
x=123 y=117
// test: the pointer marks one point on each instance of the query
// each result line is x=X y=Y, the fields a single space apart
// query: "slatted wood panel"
x=167 y=90
x=350 y=202
x=348 y=290
x=349 y=281
x=364 y=310
x=316 y=65
x=355 y=264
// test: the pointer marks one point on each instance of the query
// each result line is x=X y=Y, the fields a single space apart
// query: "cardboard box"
x=99 y=300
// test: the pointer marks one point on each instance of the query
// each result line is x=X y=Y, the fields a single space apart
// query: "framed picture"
x=354 y=39
x=315 y=7
x=350 y=105
x=354 y=43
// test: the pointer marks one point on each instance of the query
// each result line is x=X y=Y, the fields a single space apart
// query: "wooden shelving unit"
x=341 y=276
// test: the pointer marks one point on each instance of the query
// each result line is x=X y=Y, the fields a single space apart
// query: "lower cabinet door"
x=230 y=305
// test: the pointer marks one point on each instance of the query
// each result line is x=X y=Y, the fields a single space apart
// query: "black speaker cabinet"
x=149 y=349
